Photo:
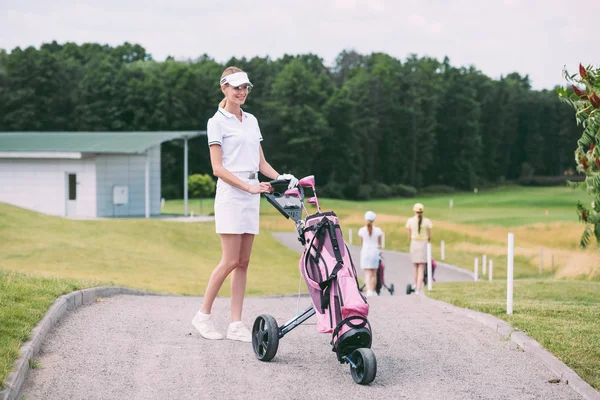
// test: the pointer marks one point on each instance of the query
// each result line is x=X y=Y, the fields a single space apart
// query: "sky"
x=537 y=38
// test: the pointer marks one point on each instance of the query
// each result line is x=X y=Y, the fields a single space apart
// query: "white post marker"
x=383 y=240
x=429 y=268
x=490 y=270
x=350 y=235
x=510 y=273
x=147 y=184
x=443 y=252
x=476 y=269
x=185 y=177
x=483 y=265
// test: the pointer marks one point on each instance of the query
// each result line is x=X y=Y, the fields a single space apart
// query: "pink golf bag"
x=332 y=284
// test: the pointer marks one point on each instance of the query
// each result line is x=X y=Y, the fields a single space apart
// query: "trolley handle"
x=279 y=181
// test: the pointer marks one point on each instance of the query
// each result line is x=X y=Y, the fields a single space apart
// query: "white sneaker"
x=239 y=332
x=205 y=326
x=371 y=293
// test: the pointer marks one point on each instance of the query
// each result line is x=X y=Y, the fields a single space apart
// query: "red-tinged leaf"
x=582 y=72
x=578 y=91
x=597 y=161
x=595 y=100
x=584 y=163
x=583 y=216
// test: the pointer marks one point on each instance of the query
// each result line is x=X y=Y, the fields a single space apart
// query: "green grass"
x=56 y=255
x=477 y=224
x=24 y=300
x=507 y=206
x=154 y=255
x=197 y=206
x=562 y=316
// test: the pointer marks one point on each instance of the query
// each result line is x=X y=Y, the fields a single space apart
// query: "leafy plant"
x=201 y=186
x=584 y=97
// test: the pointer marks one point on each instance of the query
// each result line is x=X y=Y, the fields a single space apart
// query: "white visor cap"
x=236 y=79
x=370 y=216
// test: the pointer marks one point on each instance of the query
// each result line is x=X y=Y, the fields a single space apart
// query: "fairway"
x=542 y=219
x=43 y=257
x=153 y=255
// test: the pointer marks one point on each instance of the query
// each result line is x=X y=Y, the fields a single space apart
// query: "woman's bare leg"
x=239 y=277
x=416 y=278
x=421 y=270
x=230 y=259
x=373 y=279
x=368 y=279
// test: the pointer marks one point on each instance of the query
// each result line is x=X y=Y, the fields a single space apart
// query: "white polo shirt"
x=239 y=140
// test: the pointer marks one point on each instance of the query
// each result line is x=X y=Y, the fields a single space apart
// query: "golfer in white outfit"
x=236 y=156
x=370 y=239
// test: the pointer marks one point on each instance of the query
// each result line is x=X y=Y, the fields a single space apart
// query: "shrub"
x=401 y=190
x=438 y=189
x=364 y=192
x=201 y=185
x=381 y=191
x=332 y=190
x=560 y=180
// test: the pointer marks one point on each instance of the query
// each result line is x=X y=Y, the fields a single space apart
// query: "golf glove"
x=289 y=177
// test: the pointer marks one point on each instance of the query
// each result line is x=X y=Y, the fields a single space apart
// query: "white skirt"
x=369 y=258
x=236 y=211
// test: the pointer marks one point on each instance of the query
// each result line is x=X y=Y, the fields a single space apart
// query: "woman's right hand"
x=262 y=187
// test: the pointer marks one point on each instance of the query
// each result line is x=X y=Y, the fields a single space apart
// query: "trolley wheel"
x=409 y=289
x=265 y=337
x=366 y=366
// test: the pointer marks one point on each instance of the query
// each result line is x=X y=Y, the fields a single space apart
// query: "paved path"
x=130 y=347
x=399 y=269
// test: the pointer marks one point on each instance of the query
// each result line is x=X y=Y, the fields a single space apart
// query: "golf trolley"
x=329 y=273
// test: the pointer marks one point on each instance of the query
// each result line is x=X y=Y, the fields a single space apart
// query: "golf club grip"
x=279 y=181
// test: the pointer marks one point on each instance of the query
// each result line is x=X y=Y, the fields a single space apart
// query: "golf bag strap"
x=326 y=284
x=348 y=321
x=319 y=236
x=314 y=227
x=334 y=242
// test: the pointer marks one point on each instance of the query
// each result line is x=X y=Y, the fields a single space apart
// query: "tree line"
x=369 y=126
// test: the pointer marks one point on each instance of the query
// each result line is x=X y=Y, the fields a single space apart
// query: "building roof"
x=88 y=142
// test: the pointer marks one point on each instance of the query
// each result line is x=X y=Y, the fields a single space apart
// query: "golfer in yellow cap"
x=419 y=233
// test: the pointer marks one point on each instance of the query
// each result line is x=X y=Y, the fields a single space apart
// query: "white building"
x=86 y=174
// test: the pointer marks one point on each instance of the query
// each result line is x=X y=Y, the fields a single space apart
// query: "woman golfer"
x=419 y=234
x=236 y=157
x=370 y=240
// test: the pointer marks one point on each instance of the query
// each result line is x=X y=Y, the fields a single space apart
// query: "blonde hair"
x=228 y=71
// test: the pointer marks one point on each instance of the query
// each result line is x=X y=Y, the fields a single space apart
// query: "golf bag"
x=332 y=284
x=433 y=268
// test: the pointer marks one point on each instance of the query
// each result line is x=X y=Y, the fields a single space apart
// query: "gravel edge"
x=521 y=339
x=30 y=349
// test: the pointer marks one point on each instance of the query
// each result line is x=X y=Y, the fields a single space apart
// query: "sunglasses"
x=242 y=88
